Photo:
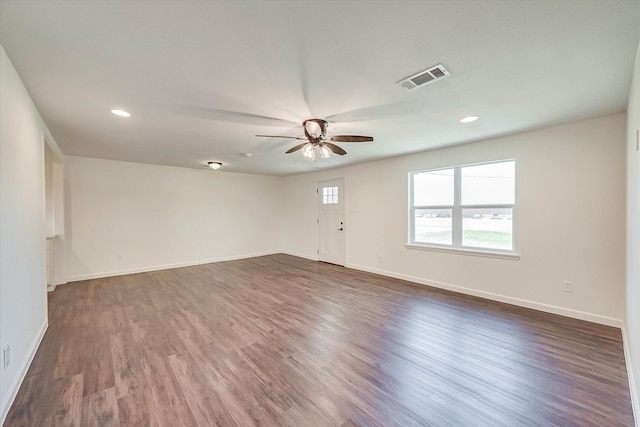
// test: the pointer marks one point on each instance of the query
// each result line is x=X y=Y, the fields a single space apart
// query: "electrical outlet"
x=567 y=286
x=7 y=356
x=380 y=259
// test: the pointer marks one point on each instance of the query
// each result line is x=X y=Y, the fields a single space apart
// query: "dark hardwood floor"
x=283 y=341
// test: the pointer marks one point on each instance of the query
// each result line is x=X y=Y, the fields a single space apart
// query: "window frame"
x=330 y=197
x=457 y=219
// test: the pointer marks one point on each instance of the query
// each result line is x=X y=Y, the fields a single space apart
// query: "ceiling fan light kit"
x=315 y=131
x=309 y=152
x=325 y=153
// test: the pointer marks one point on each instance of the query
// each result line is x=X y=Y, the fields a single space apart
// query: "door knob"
x=340 y=229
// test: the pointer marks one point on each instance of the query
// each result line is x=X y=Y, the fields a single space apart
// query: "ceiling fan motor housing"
x=315 y=129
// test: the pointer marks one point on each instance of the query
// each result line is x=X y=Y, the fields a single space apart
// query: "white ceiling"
x=202 y=78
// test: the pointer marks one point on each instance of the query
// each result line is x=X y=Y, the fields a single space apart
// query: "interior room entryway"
x=331 y=224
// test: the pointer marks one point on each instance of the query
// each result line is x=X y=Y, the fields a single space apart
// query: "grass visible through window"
x=487 y=239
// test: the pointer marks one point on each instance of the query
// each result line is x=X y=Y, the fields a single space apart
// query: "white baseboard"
x=7 y=401
x=112 y=273
x=635 y=402
x=300 y=255
x=548 y=308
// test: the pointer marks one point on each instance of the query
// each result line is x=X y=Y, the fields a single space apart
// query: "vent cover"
x=424 y=77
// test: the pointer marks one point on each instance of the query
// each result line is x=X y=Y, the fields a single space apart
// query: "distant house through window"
x=467 y=207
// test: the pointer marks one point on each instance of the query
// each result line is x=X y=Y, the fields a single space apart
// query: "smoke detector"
x=425 y=77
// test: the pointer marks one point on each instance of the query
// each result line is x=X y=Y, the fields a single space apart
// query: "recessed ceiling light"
x=469 y=119
x=214 y=165
x=247 y=154
x=121 y=113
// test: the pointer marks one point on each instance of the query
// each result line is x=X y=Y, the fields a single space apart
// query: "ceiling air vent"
x=424 y=77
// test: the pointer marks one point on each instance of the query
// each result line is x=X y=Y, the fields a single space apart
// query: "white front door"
x=331 y=227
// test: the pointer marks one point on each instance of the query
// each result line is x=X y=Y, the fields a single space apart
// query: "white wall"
x=54 y=223
x=124 y=217
x=633 y=237
x=570 y=220
x=23 y=300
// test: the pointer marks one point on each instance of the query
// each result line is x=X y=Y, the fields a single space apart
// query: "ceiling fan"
x=315 y=131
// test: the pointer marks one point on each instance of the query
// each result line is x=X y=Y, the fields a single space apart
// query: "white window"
x=466 y=207
x=329 y=195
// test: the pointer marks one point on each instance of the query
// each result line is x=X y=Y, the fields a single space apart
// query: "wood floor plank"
x=133 y=411
x=127 y=356
x=101 y=409
x=160 y=382
x=66 y=402
x=283 y=341
x=97 y=364
x=28 y=408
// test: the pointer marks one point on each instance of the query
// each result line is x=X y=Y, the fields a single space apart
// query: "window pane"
x=488 y=228
x=433 y=226
x=491 y=184
x=329 y=195
x=433 y=188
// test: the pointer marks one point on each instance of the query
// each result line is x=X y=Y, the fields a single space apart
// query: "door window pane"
x=434 y=188
x=433 y=226
x=490 y=228
x=329 y=195
x=489 y=184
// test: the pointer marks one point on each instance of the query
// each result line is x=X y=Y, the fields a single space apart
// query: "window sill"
x=460 y=251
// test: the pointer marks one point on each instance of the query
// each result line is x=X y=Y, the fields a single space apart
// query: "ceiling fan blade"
x=283 y=136
x=351 y=138
x=296 y=148
x=233 y=116
x=334 y=148
x=389 y=111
